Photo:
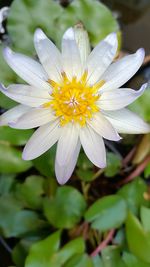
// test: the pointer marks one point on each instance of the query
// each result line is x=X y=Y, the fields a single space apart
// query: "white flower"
x=3 y=15
x=74 y=97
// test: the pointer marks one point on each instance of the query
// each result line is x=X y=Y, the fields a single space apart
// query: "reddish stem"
x=140 y=168
x=129 y=156
x=104 y=243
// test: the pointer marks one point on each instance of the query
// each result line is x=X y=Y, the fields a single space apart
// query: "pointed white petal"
x=119 y=98
x=82 y=39
x=28 y=69
x=49 y=55
x=26 y=94
x=71 y=55
x=122 y=70
x=13 y=114
x=63 y=173
x=42 y=140
x=33 y=118
x=67 y=143
x=93 y=146
x=103 y=127
x=101 y=57
x=125 y=121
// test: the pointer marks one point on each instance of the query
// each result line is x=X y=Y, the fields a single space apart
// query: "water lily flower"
x=74 y=97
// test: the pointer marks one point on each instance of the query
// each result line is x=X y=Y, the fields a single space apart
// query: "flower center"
x=73 y=100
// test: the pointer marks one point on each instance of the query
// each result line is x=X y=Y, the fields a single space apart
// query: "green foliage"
x=131 y=261
x=49 y=14
x=30 y=192
x=47 y=253
x=45 y=163
x=85 y=168
x=138 y=239
x=111 y=257
x=113 y=164
x=14 y=136
x=107 y=213
x=14 y=220
x=69 y=203
x=141 y=105
x=79 y=261
x=133 y=193
x=12 y=161
x=7 y=181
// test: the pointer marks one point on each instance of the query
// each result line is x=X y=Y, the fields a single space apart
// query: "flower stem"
x=140 y=168
x=104 y=243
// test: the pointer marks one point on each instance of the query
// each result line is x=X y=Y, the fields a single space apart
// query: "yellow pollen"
x=73 y=100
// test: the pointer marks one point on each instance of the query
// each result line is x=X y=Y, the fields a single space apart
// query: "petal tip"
x=111 y=38
x=25 y=155
x=69 y=34
x=39 y=35
x=7 y=52
x=140 y=53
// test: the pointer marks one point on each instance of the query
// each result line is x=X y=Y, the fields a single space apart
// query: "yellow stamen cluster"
x=73 y=100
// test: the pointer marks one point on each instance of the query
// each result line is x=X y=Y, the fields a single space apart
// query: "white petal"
x=67 y=143
x=49 y=55
x=119 y=98
x=63 y=173
x=28 y=69
x=122 y=70
x=101 y=57
x=82 y=39
x=33 y=118
x=42 y=140
x=13 y=114
x=70 y=54
x=103 y=127
x=93 y=146
x=26 y=94
x=125 y=121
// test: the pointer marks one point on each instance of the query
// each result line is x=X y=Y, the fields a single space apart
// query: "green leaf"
x=16 y=222
x=30 y=191
x=131 y=261
x=21 y=249
x=133 y=193
x=97 y=261
x=79 y=261
x=85 y=168
x=41 y=252
x=107 y=213
x=6 y=183
x=49 y=15
x=46 y=253
x=101 y=20
x=12 y=161
x=72 y=248
x=69 y=203
x=45 y=163
x=14 y=136
x=113 y=164
x=141 y=105
x=111 y=257
x=43 y=14
x=145 y=218
x=147 y=172
x=138 y=240
x=19 y=253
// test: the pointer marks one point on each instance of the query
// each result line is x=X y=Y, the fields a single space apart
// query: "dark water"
x=134 y=18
